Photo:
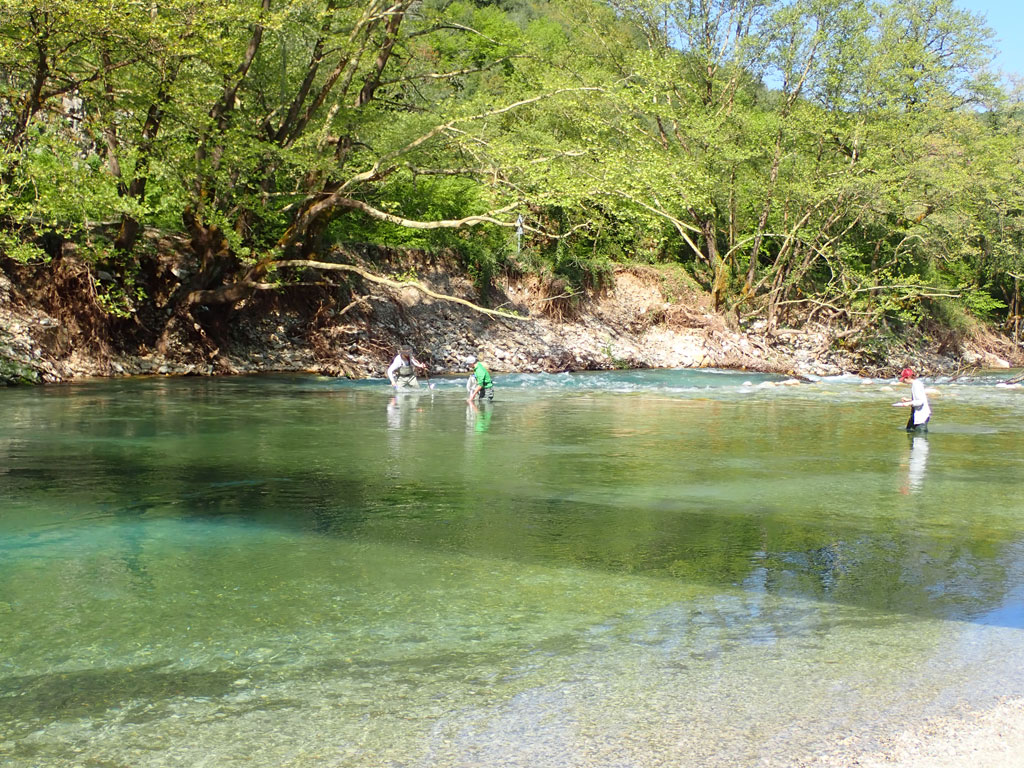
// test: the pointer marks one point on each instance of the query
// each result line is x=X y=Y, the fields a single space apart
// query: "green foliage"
x=981 y=303
x=951 y=314
x=481 y=263
x=53 y=186
x=117 y=300
x=775 y=150
x=117 y=281
x=14 y=246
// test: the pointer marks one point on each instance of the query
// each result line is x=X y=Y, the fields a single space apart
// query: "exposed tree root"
x=244 y=289
x=326 y=265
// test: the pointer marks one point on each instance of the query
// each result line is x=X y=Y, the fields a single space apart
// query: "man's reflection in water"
x=478 y=417
x=394 y=414
x=916 y=463
x=403 y=410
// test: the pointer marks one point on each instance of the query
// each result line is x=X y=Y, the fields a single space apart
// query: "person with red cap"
x=918 y=401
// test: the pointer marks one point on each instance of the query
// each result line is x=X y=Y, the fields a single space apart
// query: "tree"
x=788 y=152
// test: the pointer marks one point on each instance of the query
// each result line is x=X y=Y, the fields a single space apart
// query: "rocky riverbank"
x=644 y=317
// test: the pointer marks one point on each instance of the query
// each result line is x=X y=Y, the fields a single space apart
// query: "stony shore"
x=990 y=738
x=641 y=320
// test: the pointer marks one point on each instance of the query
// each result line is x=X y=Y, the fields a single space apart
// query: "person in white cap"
x=479 y=383
x=918 y=401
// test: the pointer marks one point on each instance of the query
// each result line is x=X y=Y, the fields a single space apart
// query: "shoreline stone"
x=979 y=738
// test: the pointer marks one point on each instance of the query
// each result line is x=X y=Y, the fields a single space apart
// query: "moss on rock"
x=13 y=372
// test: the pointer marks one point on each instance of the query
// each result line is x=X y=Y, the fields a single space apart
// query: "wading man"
x=920 y=412
x=402 y=372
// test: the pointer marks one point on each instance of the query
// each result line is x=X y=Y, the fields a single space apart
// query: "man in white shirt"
x=402 y=372
x=918 y=401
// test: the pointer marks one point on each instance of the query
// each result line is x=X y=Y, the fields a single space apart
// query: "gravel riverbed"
x=987 y=738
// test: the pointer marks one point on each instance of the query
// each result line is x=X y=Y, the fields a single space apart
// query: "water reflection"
x=406 y=415
x=478 y=416
x=709 y=491
x=405 y=407
x=917 y=461
x=230 y=544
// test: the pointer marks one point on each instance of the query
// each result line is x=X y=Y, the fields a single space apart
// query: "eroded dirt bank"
x=52 y=329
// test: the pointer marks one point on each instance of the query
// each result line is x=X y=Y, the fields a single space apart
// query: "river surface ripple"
x=644 y=568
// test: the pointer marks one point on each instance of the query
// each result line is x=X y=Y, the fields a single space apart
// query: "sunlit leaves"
x=809 y=144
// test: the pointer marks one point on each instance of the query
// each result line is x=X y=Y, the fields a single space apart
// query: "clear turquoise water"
x=619 y=569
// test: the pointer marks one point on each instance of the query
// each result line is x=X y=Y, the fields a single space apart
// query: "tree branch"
x=401 y=221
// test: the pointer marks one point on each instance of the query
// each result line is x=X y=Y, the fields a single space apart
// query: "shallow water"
x=685 y=568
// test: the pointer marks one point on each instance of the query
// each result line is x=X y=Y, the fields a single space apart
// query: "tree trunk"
x=720 y=277
x=211 y=250
x=762 y=222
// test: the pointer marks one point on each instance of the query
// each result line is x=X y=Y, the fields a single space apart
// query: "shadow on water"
x=89 y=692
x=759 y=547
x=610 y=485
x=144 y=693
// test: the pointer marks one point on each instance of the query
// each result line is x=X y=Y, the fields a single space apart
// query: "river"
x=678 y=568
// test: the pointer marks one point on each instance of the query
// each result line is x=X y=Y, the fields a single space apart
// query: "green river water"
x=636 y=569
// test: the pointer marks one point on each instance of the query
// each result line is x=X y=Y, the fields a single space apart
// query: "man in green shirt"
x=479 y=382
